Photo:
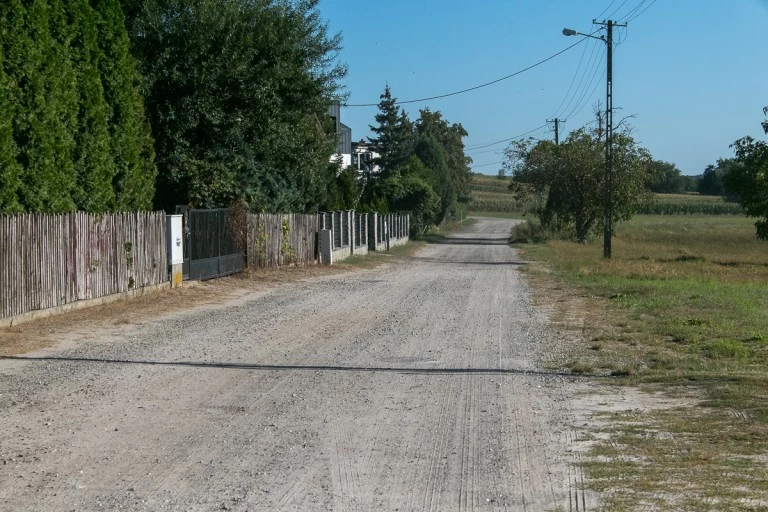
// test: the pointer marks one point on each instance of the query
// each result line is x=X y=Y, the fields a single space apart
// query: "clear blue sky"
x=693 y=72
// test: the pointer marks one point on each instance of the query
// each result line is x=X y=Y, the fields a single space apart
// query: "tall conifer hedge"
x=73 y=133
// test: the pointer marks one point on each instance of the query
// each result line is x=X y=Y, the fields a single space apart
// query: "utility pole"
x=608 y=188
x=557 y=128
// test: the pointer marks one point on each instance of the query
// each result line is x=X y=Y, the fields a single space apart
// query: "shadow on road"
x=452 y=240
x=439 y=261
x=290 y=367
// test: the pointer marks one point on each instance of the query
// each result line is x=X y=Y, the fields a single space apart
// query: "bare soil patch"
x=48 y=332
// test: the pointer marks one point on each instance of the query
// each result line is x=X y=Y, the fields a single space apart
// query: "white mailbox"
x=175 y=233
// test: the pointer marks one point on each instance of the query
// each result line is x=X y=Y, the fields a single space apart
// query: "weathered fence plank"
x=281 y=239
x=52 y=260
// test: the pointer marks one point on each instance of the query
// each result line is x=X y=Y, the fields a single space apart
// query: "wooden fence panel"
x=266 y=247
x=52 y=260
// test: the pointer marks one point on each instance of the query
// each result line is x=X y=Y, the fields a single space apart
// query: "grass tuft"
x=680 y=309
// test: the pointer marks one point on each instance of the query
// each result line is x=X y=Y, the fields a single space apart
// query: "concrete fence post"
x=372 y=230
x=325 y=238
x=350 y=229
x=387 y=229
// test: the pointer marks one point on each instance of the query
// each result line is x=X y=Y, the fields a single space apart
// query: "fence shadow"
x=450 y=240
x=295 y=367
x=439 y=261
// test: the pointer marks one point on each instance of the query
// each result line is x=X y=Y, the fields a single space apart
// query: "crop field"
x=681 y=310
x=690 y=204
x=491 y=196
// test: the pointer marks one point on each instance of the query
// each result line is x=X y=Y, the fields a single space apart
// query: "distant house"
x=363 y=157
x=343 y=136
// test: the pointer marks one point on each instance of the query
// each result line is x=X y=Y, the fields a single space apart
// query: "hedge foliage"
x=73 y=135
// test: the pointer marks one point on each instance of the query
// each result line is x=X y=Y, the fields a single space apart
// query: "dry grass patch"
x=680 y=308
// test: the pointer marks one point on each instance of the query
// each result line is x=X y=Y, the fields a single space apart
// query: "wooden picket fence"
x=52 y=260
x=281 y=239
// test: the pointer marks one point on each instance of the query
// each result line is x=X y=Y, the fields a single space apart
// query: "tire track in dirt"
x=340 y=393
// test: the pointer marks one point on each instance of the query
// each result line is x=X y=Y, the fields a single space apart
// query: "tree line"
x=111 y=105
x=115 y=105
x=424 y=169
x=569 y=180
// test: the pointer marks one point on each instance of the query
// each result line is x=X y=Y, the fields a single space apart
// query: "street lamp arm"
x=571 y=32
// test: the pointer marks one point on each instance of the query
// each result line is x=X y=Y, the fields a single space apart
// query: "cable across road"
x=469 y=89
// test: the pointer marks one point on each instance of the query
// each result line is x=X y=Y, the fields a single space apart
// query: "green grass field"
x=681 y=308
x=490 y=194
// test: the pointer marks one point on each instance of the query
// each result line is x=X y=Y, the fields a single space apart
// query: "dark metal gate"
x=210 y=249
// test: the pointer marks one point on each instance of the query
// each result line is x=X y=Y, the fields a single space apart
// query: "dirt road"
x=415 y=386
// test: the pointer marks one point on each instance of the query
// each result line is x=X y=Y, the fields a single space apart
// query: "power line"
x=573 y=80
x=507 y=139
x=577 y=93
x=495 y=151
x=486 y=165
x=587 y=94
x=609 y=6
x=641 y=12
x=633 y=11
x=585 y=83
x=617 y=9
x=539 y=63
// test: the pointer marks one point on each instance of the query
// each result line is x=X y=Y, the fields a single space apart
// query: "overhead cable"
x=593 y=62
x=604 y=10
x=633 y=11
x=641 y=12
x=539 y=63
x=589 y=89
x=617 y=9
x=507 y=139
x=573 y=80
x=486 y=165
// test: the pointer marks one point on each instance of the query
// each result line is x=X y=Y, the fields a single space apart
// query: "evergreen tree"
x=387 y=120
x=38 y=61
x=395 y=137
x=9 y=169
x=92 y=154
x=63 y=142
x=131 y=145
x=432 y=154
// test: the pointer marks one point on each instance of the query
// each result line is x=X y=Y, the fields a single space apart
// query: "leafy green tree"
x=711 y=182
x=573 y=177
x=436 y=173
x=750 y=179
x=450 y=137
x=665 y=178
x=237 y=93
x=343 y=188
x=405 y=190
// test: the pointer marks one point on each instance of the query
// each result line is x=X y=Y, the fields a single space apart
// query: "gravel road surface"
x=411 y=387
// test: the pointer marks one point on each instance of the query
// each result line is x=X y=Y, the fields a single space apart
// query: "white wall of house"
x=346 y=159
